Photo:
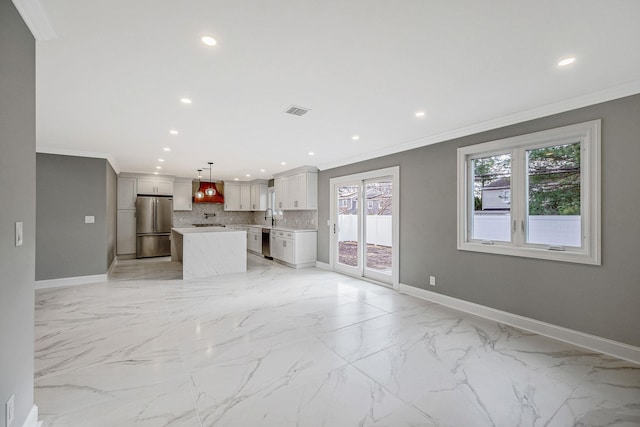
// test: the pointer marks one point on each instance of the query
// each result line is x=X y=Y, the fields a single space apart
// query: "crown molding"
x=79 y=153
x=593 y=98
x=36 y=19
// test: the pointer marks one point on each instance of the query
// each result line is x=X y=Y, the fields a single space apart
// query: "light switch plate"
x=89 y=219
x=9 y=411
x=19 y=235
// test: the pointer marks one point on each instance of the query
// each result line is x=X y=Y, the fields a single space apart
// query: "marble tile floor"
x=281 y=347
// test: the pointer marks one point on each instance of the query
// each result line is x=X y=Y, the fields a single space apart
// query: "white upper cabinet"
x=245 y=196
x=155 y=187
x=127 y=193
x=282 y=192
x=231 y=196
x=297 y=189
x=182 y=197
x=259 y=194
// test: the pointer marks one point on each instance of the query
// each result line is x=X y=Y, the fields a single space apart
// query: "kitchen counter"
x=209 y=251
x=278 y=228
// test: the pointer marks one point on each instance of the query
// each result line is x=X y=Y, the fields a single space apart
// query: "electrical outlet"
x=9 y=411
x=19 y=235
x=89 y=219
x=432 y=280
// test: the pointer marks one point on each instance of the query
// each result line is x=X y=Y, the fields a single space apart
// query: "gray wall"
x=67 y=189
x=111 y=212
x=600 y=300
x=17 y=187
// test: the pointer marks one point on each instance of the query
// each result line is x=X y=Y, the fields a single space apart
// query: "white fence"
x=379 y=229
x=545 y=229
x=561 y=230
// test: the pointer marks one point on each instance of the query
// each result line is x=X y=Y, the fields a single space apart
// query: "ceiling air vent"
x=297 y=111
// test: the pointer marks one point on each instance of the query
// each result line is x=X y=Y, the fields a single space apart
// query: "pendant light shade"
x=210 y=191
x=199 y=194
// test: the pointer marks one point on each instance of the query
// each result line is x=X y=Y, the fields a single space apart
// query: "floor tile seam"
x=397 y=396
x=351 y=362
x=378 y=308
x=355 y=323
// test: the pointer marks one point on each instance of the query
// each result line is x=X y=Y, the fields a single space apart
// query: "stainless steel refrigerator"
x=154 y=218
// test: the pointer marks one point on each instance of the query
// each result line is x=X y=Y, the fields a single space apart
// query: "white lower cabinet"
x=294 y=248
x=254 y=241
x=126 y=232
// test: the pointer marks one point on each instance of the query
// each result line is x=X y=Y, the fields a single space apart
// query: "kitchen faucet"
x=273 y=220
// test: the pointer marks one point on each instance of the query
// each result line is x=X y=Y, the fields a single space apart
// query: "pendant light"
x=199 y=193
x=210 y=191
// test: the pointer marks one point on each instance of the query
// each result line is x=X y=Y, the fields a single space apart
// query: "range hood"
x=218 y=197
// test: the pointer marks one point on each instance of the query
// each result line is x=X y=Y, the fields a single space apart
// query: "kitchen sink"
x=208 y=225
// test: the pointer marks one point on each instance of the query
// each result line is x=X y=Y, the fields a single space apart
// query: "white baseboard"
x=323 y=266
x=581 y=339
x=32 y=418
x=112 y=266
x=70 y=281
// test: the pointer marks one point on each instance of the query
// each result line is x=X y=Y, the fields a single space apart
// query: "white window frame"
x=588 y=134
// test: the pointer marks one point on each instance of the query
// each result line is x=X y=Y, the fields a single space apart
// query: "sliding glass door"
x=364 y=221
x=347 y=229
x=377 y=241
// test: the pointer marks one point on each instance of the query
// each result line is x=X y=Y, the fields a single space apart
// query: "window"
x=535 y=195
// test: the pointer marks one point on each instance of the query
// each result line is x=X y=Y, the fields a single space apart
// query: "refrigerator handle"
x=155 y=214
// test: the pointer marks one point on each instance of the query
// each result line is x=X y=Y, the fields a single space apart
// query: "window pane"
x=492 y=198
x=553 y=187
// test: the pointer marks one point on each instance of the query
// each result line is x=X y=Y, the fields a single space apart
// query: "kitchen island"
x=209 y=251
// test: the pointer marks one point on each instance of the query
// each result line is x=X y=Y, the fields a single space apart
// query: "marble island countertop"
x=237 y=227
x=279 y=228
x=213 y=229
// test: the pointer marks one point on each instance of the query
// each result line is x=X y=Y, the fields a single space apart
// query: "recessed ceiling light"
x=173 y=132
x=161 y=160
x=167 y=149
x=261 y=170
x=209 y=41
x=283 y=163
x=248 y=175
x=185 y=100
x=235 y=179
x=420 y=114
x=158 y=167
x=355 y=137
x=567 y=61
x=311 y=153
x=156 y=173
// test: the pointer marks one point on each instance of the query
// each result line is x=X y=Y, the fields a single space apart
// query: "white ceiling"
x=112 y=80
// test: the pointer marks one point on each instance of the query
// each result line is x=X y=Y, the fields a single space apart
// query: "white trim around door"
x=393 y=173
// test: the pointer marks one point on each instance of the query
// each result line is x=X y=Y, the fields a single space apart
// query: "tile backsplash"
x=290 y=219
x=196 y=216
x=305 y=220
